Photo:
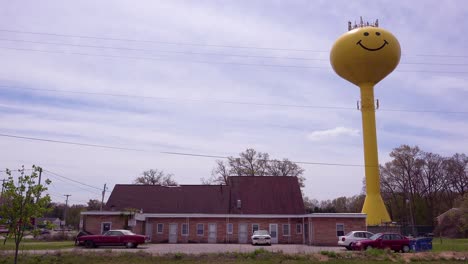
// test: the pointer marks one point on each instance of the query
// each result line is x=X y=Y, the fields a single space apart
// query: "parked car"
x=261 y=237
x=351 y=237
x=392 y=241
x=80 y=234
x=112 y=238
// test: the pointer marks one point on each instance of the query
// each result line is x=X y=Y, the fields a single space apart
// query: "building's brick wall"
x=92 y=223
x=221 y=229
x=323 y=230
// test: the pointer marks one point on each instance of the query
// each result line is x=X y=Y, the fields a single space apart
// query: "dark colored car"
x=391 y=241
x=112 y=238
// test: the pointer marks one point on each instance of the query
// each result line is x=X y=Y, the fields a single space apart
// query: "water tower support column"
x=373 y=205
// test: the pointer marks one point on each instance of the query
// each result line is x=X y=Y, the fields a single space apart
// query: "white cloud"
x=334 y=133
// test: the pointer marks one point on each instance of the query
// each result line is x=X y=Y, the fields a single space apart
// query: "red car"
x=112 y=238
x=392 y=241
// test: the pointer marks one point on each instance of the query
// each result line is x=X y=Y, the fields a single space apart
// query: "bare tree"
x=156 y=177
x=253 y=163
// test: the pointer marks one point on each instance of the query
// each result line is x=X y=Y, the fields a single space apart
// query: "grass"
x=459 y=245
x=178 y=258
x=35 y=245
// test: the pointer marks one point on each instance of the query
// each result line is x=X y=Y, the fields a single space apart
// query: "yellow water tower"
x=364 y=56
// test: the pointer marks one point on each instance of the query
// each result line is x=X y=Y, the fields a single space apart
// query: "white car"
x=261 y=237
x=353 y=236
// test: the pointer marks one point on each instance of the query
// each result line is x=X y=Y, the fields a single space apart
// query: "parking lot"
x=157 y=249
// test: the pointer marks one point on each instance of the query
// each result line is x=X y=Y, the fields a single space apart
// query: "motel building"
x=220 y=213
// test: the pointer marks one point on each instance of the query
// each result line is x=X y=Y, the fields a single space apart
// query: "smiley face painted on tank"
x=365 y=54
x=368 y=37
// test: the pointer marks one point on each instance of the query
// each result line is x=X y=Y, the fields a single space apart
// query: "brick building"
x=220 y=213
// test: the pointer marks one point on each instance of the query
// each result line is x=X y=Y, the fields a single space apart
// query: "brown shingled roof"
x=258 y=195
x=266 y=195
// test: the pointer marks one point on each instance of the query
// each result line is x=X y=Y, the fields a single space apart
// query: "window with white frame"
x=255 y=227
x=160 y=228
x=229 y=228
x=286 y=231
x=184 y=229
x=200 y=229
x=340 y=230
x=298 y=228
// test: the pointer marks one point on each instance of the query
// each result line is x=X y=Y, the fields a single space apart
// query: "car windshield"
x=261 y=232
x=350 y=233
x=374 y=237
x=127 y=233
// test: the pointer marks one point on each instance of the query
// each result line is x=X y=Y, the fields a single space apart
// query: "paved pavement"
x=161 y=249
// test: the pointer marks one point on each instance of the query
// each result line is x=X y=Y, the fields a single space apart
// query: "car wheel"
x=89 y=244
x=130 y=245
x=406 y=249
x=369 y=247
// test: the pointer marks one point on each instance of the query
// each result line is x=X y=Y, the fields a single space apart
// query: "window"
x=339 y=229
x=286 y=230
x=255 y=227
x=298 y=229
x=229 y=228
x=160 y=228
x=200 y=229
x=184 y=229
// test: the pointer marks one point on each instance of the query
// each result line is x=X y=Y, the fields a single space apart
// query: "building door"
x=211 y=233
x=306 y=233
x=173 y=233
x=242 y=233
x=149 y=230
x=274 y=233
x=105 y=226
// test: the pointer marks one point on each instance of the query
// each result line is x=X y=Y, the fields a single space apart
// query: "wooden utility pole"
x=103 y=194
x=65 y=210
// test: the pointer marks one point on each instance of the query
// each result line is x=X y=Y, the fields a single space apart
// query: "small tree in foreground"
x=21 y=202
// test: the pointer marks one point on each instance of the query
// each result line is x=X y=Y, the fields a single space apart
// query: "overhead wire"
x=194 y=44
x=209 y=62
x=166 y=152
x=208 y=54
x=224 y=101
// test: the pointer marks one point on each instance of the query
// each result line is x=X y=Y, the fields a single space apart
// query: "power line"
x=72 y=143
x=165 y=59
x=196 y=44
x=209 y=54
x=164 y=51
x=208 y=62
x=72 y=182
x=159 y=42
x=84 y=184
x=171 y=153
x=225 y=102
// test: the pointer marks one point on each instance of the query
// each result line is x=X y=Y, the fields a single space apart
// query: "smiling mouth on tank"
x=369 y=49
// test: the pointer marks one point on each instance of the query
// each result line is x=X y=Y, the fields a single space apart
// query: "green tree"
x=22 y=201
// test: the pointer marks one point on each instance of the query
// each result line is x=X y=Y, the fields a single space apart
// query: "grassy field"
x=460 y=245
x=36 y=245
x=256 y=257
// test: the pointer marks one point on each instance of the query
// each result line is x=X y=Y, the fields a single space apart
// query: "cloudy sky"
x=214 y=78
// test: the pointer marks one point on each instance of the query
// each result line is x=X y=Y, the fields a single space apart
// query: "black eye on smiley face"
x=366 y=34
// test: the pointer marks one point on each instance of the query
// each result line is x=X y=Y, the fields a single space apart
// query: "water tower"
x=364 y=56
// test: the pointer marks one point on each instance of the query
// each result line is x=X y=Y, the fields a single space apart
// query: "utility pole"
x=103 y=194
x=65 y=210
